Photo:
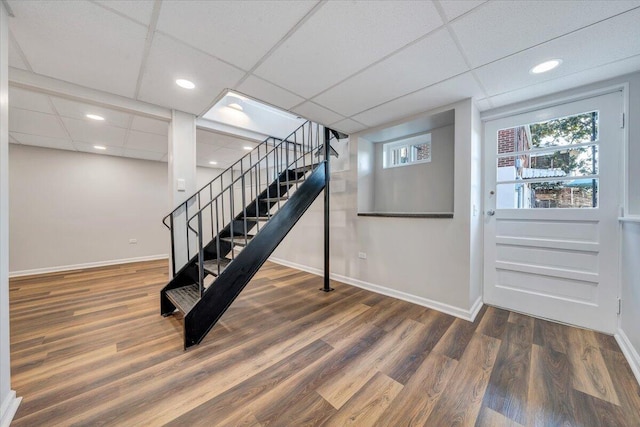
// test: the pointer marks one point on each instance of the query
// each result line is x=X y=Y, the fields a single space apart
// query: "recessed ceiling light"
x=236 y=106
x=99 y=147
x=94 y=117
x=248 y=148
x=545 y=66
x=213 y=163
x=185 y=84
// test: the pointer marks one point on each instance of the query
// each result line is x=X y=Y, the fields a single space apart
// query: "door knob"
x=491 y=212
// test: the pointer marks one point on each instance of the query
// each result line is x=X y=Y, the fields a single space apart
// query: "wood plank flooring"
x=90 y=348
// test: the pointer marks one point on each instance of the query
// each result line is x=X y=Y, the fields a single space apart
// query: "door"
x=552 y=198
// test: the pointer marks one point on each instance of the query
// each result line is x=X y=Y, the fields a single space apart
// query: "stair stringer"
x=215 y=301
x=188 y=274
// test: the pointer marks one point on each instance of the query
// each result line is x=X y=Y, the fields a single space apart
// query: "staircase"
x=221 y=236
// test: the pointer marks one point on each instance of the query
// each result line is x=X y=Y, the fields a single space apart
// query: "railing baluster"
x=173 y=246
x=200 y=256
x=273 y=162
x=244 y=212
x=268 y=186
x=218 y=257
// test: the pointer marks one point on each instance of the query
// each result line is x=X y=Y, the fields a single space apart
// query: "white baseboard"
x=630 y=353
x=469 y=314
x=9 y=408
x=57 y=269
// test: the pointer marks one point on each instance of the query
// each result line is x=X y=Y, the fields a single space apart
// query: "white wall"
x=8 y=401
x=423 y=187
x=630 y=294
x=476 y=217
x=423 y=260
x=69 y=209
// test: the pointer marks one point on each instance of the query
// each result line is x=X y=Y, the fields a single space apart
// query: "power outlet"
x=362 y=255
x=133 y=241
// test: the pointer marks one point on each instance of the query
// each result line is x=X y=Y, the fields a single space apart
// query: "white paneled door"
x=553 y=181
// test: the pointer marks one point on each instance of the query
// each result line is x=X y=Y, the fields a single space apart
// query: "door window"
x=550 y=164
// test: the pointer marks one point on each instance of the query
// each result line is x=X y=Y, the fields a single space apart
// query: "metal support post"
x=327 y=172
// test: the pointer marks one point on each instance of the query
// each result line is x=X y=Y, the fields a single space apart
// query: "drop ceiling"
x=347 y=64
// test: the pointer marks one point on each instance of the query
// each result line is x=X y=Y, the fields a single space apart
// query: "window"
x=408 y=151
x=552 y=164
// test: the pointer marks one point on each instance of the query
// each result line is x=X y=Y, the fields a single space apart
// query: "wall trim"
x=9 y=408
x=461 y=313
x=630 y=353
x=60 y=268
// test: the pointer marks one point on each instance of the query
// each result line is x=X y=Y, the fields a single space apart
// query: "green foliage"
x=564 y=132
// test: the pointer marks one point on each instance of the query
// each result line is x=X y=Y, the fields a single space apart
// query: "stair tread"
x=238 y=240
x=184 y=298
x=305 y=167
x=258 y=218
x=211 y=265
x=274 y=199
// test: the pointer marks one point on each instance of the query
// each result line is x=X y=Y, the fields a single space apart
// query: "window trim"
x=422 y=139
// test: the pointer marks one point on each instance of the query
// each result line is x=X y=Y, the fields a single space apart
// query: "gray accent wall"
x=417 y=188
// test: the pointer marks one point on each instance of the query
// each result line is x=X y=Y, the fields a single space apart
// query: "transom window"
x=407 y=151
x=551 y=164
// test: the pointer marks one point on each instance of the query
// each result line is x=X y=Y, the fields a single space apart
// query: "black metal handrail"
x=289 y=170
x=261 y=155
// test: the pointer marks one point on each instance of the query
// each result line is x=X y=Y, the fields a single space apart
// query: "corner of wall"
x=629 y=352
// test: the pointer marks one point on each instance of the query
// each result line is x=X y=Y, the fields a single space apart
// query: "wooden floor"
x=90 y=348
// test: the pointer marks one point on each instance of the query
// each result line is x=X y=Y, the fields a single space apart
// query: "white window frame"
x=388 y=147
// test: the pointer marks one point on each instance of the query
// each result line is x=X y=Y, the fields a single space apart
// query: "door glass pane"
x=576 y=193
x=580 y=161
x=538 y=159
x=571 y=130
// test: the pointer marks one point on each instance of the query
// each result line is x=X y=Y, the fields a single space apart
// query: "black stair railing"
x=256 y=193
x=224 y=197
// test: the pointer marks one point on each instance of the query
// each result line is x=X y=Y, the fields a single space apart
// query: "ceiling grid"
x=351 y=65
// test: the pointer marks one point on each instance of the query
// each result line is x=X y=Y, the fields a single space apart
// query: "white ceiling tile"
x=140 y=10
x=147 y=142
x=80 y=42
x=501 y=28
x=93 y=132
x=43 y=141
x=344 y=37
x=34 y=123
x=264 y=91
x=605 y=42
x=169 y=60
x=145 y=124
x=144 y=155
x=440 y=94
x=317 y=113
x=411 y=69
x=28 y=100
x=454 y=8
x=348 y=126
x=253 y=27
x=79 y=110
x=15 y=59
x=89 y=148
x=586 y=77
